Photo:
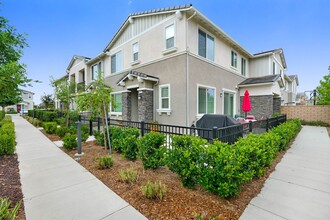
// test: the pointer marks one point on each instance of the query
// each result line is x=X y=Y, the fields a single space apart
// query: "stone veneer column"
x=276 y=105
x=262 y=106
x=126 y=106
x=145 y=105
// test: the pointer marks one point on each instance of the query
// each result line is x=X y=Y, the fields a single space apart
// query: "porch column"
x=145 y=104
x=126 y=106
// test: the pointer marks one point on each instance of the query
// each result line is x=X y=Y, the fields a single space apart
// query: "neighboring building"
x=26 y=103
x=172 y=65
x=289 y=91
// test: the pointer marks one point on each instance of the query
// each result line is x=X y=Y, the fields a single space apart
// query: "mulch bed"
x=179 y=202
x=10 y=185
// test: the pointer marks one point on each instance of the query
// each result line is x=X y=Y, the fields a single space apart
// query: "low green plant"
x=154 y=190
x=185 y=158
x=315 y=123
x=129 y=142
x=7 y=136
x=151 y=150
x=60 y=121
x=50 y=127
x=2 y=115
x=11 y=111
x=128 y=175
x=105 y=162
x=7 y=213
x=69 y=141
x=61 y=131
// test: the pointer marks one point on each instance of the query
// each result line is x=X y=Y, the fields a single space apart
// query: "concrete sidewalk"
x=299 y=188
x=57 y=187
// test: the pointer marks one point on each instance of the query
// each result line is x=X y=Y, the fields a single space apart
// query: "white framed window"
x=116 y=62
x=116 y=104
x=205 y=45
x=205 y=100
x=96 y=69
x=233 y=59
x=243 y=66
x=135 y=51
x=170 y=36
x=164 y=97
x=274 y=68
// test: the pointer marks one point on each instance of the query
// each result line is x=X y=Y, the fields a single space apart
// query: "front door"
x=228 y=104
x=134 y=105
x=18 y=108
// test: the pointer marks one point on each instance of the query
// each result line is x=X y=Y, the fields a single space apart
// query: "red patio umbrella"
x=246 y=105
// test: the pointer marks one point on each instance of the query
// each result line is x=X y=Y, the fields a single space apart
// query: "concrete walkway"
x=299 y=188
x=57 y=187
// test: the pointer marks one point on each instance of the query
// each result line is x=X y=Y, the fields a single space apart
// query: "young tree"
x=97 y=100
x=64 y=92
x=47 y=101
x=12 y=73
x=324 y=90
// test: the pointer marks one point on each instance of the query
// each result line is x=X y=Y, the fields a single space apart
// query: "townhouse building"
x=172 y=65
x=24 y=105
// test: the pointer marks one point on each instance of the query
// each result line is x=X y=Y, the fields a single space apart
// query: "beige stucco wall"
x=259 y=66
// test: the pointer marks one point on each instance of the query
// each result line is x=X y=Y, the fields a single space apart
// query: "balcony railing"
x=81 y=86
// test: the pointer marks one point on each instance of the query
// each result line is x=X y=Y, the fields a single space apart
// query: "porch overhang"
x=140 y=77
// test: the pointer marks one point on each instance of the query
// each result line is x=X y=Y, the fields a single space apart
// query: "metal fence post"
x=79 y=153
x=267 y=124
x=142 y=128
x=214 y=132
x=277 y=121
x=250 y=126
x=98 y=124
x=90 y=127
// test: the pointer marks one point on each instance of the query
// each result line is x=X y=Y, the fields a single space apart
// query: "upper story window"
x=233 y=59
x=96 y=69
x=206 y=100
x=135 y=51
x=205 y=45
x=274 y=68
x=164 y=97
x=243 y=67
x=116 y=62
x=169 y=35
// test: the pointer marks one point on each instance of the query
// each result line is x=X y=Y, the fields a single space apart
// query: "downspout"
x=187 y=73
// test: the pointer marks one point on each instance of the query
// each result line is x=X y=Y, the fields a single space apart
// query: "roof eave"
x=256 y=84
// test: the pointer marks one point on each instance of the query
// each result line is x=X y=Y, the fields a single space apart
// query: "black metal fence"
x=226 y=134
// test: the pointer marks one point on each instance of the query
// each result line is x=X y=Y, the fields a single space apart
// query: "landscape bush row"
x=51 y=116
x=221 y=168
x=7 y=136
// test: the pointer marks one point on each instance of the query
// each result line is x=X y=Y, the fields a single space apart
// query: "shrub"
x=7 y=136
x=69 y=141
x=315 y=123
x=156 y=190
x=105 y=162
x=116 y=136
x=5 y=211
x=50 y=127
x=287 y=132
x=2 y=115
x=128 y=142
x=61 y=131
x=11 y=111
x=128 y=175
x=30 y=113
x=60 y=121
x=151 y=151
x=185 y=157
x=99 y=137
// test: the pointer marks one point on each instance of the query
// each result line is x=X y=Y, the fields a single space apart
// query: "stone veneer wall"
x=308 y=112
x=276 y=105
x=262 y=106
x=145 y=105
x=126 y=106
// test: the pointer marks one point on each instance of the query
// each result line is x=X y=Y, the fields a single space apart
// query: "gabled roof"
x=260 y=80
x=75 y=57
x=294 y=77
x=140 y=75
x=192 y=12
x=271 y=52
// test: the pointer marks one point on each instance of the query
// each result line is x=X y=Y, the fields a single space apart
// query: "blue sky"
x=59 y=29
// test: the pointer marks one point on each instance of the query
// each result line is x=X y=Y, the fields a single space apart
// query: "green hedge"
x=151 y=150
x=43 y=115
x=50 y=127
x=2 y=115
x=221 y=168
x=7 y=136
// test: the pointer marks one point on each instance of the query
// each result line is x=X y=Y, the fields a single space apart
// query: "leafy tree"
x=47 y=101
x=64 y=93
x=324 y=90
x=12 y=73
x=96 y=99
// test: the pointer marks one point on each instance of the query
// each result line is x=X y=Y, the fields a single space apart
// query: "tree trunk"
x=67 y=116
x=104 y=135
